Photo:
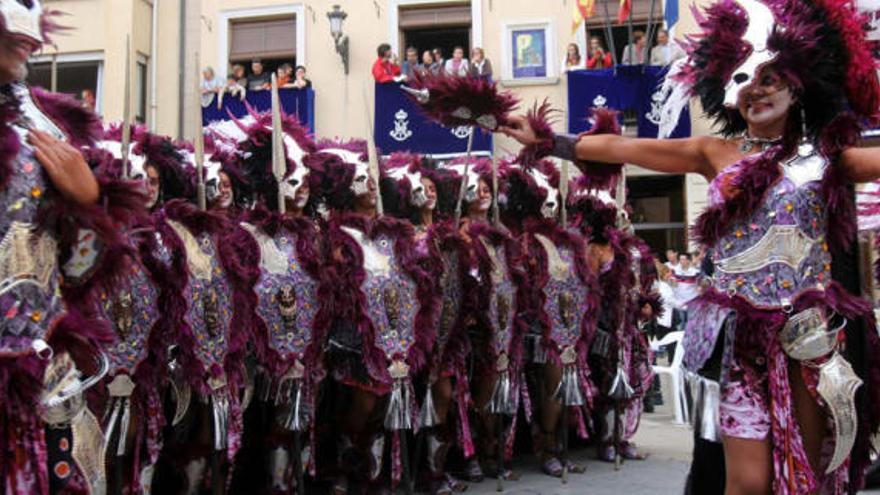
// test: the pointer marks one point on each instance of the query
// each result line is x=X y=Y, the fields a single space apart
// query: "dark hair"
x=383 y=48
x=686 y=255
x=458 y=47
x=437 y=50
x=577 y=52
x=287 y=66
x=412 y=49
x=637 y=35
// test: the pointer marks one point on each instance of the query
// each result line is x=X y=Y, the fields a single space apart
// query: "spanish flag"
x=624 y=11
x=583 y=9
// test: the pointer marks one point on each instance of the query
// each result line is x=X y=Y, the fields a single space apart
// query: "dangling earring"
x=805 y=148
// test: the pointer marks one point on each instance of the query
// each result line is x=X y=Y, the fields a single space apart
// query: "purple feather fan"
x=464 y=101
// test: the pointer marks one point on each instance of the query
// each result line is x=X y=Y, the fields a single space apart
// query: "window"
x=73 y=78
x=272 y=38
x=443 y=27
x=641 y=13
x=140 y=93
x=658 y=210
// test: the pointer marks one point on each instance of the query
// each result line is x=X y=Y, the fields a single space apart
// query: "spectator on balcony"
x=634 y=53
x=258 y=80
x=210 y=86
x=480 y=65
x=428 y=65
x=87 y=97
x=665 y=51
x=240 y=76
x=439 y=60
x=385 y=70
x=599 y=58
x=301 y=81
x=411 y=64
x=284 y=74
x=234 y=86
x=573 y=59
x=457 y=65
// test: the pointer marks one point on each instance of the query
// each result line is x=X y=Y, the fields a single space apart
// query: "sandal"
x=607 y=453
x=503 y=473
x=457 y=485
x=552 y=466
x=340 y=486
x=441 y=487
x=473 y=472
x=629 y=452
x=575 y=468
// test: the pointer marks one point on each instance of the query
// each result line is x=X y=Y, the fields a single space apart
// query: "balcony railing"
x=299 y=102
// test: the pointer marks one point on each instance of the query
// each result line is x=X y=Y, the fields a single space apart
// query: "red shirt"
x=597 y=62
x=384 y=71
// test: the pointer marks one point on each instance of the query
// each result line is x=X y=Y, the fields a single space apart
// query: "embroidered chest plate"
x=209 y=297
x=30 y=299
x=132 y=311
x=502 y=309
x=391 y=296
x=287 y=295
x=781 y=250
x=566 y=296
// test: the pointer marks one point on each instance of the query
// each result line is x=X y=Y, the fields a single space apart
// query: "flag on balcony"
x=582 y=9
x=670 y=15
x=624 y=11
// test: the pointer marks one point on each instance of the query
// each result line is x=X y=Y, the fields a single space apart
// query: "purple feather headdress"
x=335 y=165
x=818 y=46
x=464 y=101
x=402 y=190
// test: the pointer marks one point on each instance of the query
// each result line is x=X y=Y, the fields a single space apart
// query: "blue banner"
x=632 y=88
x=401 y=126
x=299 y=102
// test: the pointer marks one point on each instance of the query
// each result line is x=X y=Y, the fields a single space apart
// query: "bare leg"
x=811 y=418
x=442 y=394
x=749 y=466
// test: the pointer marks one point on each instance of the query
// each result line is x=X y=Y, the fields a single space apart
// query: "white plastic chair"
x=676 y=374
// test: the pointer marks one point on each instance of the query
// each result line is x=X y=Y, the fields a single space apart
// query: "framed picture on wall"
x=529 y=52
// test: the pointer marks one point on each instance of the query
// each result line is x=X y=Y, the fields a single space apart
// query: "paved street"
x=663 y=473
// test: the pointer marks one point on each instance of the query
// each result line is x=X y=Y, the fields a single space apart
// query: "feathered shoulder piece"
x=454 y=101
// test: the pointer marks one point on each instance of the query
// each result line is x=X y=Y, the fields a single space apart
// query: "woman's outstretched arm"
x=676 y=156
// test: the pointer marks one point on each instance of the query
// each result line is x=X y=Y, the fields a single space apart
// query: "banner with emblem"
x=627 y=89
x=401 y=126
x=298 y=102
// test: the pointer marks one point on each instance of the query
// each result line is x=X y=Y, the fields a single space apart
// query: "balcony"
x=299 y=102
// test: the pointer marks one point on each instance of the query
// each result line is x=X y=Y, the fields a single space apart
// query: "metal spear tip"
x=421 y=95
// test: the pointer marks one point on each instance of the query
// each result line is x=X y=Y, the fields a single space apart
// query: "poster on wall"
x=529 y=54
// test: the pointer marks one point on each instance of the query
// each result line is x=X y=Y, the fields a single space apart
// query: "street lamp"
x=337 y=16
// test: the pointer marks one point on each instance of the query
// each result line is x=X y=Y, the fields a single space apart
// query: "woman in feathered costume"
x=210 y=340
x=137 y=306
x=788 y=82
x=492 y=312
x=410 y=190
x=619 y=356
x=562 y=304
x=377 y=308
x=286 y=245
x=53 y=223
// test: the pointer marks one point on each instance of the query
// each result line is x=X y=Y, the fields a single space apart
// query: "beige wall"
x=342 y=101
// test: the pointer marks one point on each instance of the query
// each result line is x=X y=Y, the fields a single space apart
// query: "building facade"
x=166 y=36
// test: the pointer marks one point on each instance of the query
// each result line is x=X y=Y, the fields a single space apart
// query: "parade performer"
x=284 y=238
x=410 y=191
x=619 y=355
x=788 y=82
x=563 y=301
x=137 y=307
x=210 y=341
x=50 y=350
x=377 y=308
x=493 y=303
